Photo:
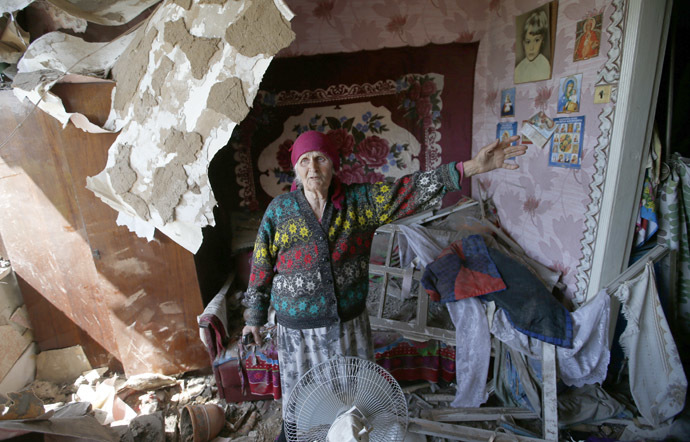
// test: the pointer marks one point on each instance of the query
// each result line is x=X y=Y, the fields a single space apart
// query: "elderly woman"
x=311 y=258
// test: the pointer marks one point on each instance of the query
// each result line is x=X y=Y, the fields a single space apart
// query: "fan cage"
x=333 y=387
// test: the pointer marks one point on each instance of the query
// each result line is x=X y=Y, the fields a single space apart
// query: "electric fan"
x=346 y=398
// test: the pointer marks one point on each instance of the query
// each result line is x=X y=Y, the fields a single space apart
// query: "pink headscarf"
x=316 y=141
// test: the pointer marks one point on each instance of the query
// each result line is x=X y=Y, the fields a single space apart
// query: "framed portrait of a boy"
x=535 y=41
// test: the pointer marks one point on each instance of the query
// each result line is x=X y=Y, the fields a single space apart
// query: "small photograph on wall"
x=508 y=102
x=569 y=94
x=566 y=144
x=535 y=42
x=587 y=38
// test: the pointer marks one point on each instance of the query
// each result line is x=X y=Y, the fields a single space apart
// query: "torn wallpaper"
x=60 y=57
x=183 y=84
x=103 y=12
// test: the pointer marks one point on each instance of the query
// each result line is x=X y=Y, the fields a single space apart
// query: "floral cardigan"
x=316 y=274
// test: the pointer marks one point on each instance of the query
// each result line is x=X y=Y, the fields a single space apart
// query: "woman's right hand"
x=253 y=330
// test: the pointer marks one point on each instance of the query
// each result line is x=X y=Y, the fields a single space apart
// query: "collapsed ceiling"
x=185 y=77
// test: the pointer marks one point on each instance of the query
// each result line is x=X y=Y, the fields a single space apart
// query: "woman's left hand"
x=493 y=156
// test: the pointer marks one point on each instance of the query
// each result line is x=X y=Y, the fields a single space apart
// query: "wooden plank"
x=475 y=414
x=549 y=403
x=150 y=288
x=137 y=299
x=44 y=236
x=411 y=332
x=461 y=432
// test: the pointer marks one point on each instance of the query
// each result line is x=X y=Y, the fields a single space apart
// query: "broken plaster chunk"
x=169 y=184
x=251 y=40
x=170 y=181
x=62 y=365
x=148 y=382
x=199 y=50
x=122 y=176
x=228 y=98
x=160 y=74
x=142 y=108
x=186 y=4
x=29 y=81
x=130 y=68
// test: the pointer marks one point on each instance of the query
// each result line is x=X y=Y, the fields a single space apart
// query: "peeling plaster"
x=122 y=176
x=198 y=50
x=186 y=4
x=105 y=12
x=170 y=182
x=228 y=98
x=183 y=82
x=251 y=40
x=130 y=67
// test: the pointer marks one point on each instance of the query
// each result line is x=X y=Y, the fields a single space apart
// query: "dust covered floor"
x=149 y=408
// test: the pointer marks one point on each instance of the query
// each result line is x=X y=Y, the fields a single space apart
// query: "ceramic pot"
x=201 y=422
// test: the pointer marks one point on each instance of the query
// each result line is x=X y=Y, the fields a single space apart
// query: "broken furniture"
x=418 y=328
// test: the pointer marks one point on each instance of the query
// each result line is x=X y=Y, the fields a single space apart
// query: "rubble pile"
x=140 y=408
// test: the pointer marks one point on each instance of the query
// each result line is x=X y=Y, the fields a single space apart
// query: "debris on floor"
x=139 y=408
x=155 y=408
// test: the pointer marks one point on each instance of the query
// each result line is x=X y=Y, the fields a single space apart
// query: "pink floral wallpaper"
x=543 y=208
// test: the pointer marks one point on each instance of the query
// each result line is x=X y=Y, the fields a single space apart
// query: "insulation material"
x=183 y=84
x=61 y=57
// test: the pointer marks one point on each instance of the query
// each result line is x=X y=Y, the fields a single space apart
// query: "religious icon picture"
x=525 y=138
x=508 y=102
x=535 y=41
x=566 y=145
x=505 y=130
x=587 y=38
x=569 y=94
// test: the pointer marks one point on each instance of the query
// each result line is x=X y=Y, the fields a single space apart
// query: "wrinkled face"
x=315 y=170
x=532 y=43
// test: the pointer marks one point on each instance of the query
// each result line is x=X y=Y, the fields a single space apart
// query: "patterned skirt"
x=301 y=349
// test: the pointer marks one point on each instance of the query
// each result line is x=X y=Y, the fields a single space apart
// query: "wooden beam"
x=475 y=414
x=463 y=433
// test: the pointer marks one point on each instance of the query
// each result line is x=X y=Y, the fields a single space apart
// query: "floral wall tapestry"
x=391 y=112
